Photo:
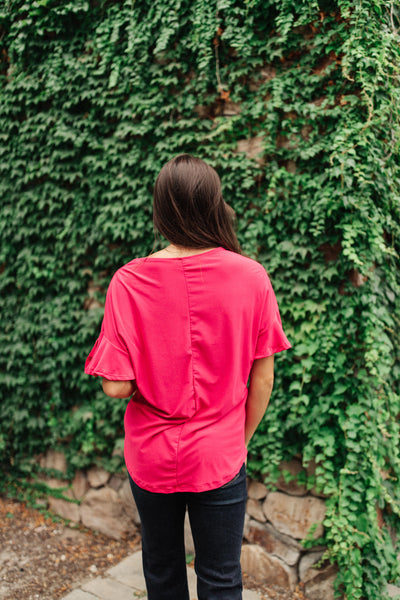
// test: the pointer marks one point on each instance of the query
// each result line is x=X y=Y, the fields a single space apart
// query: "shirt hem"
x=270 y=351
x=109 y=376
x=203 y=487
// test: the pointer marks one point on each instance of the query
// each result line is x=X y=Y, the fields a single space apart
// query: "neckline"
x=187 y=257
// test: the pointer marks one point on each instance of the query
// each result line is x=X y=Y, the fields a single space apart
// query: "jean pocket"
x=232 y=480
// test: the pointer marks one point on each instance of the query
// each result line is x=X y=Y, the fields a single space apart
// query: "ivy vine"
x=297 y=105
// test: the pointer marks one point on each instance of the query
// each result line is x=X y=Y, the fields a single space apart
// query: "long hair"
x=188 y=208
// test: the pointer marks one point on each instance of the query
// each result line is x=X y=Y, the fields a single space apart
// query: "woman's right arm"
x=118 y=389
x=261 y=384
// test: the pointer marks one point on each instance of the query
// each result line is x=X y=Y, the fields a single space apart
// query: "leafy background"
x=296 y=104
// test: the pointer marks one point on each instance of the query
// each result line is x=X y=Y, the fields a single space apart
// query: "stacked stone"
x=105 y=500
x=276 y=523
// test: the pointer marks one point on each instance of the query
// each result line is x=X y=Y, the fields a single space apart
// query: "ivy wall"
x=95 y=96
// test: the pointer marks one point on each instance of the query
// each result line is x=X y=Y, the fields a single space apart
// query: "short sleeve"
x=271 y=337
x=109 y=356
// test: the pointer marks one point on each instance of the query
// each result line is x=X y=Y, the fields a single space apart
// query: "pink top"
x=188 y=330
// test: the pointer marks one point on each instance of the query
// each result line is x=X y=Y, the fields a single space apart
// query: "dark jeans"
x=216 y=519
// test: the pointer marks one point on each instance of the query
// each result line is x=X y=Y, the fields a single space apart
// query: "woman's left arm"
x=119 y=389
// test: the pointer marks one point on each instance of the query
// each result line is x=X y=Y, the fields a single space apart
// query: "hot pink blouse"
x=187 y=330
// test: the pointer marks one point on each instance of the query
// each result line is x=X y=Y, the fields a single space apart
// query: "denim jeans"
x=216 y=519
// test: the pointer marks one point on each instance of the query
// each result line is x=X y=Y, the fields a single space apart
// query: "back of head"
x=188 y=208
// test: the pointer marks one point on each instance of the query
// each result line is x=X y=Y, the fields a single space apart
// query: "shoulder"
x=246 y=266
x=128 y=269
x=123 y=275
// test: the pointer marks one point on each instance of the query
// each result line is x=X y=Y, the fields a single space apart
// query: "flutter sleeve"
x=271 y=337
x=109 y=356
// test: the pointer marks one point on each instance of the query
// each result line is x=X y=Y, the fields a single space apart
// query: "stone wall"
x=276 y=522
x=95 y=498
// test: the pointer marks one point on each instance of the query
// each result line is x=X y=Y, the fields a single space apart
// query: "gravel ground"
x=41 y=559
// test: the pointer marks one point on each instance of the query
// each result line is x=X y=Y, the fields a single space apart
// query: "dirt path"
x=41 y=559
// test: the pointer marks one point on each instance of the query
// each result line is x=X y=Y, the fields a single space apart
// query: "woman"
x=184 y=330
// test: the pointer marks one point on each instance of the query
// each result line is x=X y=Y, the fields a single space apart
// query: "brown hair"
x=188 y=208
